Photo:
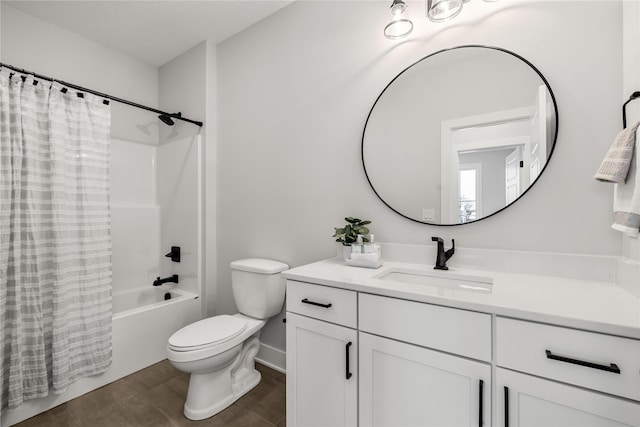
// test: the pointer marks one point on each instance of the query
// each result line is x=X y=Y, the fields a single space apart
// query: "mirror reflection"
x=459 y=135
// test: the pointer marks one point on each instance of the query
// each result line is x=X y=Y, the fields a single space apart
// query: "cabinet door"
x=406 y=385
x=524 y=400
x=321 y=373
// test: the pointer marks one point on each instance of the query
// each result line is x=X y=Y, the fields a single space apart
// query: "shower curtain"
x=55 y=243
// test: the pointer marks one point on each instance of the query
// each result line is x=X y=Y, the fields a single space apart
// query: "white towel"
x=615 y=166
x=626 y=196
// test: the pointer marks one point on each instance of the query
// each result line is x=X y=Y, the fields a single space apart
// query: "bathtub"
x=139 y=300
x=143 y=321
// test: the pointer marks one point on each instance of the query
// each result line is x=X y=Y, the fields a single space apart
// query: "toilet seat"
x=184 y=354
x=206 y=333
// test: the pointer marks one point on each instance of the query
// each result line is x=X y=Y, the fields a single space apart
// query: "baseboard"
x=272 y=357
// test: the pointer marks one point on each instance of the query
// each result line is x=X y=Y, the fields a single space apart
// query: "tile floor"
x=154 y=397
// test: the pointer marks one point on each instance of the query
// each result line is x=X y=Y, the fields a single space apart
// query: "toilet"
x=219 y=351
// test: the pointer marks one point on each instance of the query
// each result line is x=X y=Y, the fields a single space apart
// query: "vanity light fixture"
x=399 y=27
x=436 y=10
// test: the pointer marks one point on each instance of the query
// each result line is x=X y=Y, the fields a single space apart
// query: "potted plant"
x=349 y=234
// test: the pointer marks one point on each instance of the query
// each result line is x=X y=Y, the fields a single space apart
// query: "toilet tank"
x=258 y=286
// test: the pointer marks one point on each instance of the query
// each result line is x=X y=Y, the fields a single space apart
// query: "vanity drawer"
x=322 y=302
x=462 y=332
x=601 y=362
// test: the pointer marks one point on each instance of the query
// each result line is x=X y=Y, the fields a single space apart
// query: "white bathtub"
x=143 y=299
x=142 y=324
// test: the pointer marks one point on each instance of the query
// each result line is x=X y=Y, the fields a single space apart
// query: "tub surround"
x=576 y=291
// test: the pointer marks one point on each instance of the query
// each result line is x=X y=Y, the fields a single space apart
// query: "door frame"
x=449 y=150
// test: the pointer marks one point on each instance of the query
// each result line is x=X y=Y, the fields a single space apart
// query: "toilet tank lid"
x=259 y=265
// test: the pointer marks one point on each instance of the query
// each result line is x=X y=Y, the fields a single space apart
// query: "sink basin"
x=440 y=278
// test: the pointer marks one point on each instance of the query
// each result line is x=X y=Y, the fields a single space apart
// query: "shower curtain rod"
x=176 y=116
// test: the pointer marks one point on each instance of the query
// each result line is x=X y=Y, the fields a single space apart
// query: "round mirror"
x=459 y=135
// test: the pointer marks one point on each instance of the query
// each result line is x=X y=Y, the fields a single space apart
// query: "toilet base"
x=199 y=413
x=212 y=392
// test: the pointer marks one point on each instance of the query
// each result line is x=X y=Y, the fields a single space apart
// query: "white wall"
x=630 y=84
x=294 y=93
x=36 y=45
x=182 y=87
x=211 y=181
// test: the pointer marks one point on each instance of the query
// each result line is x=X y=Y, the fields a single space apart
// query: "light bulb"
x=398 y=7
x=443 y=10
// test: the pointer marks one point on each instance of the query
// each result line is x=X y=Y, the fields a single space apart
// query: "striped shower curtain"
x=55 y=243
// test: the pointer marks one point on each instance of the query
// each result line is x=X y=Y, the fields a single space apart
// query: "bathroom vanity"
x=405 y=345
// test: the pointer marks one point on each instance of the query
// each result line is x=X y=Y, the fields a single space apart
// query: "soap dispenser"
x=372 y=247
x=358 y=246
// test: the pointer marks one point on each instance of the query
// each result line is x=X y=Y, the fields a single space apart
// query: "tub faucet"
x=170 y=279
x=443 y=256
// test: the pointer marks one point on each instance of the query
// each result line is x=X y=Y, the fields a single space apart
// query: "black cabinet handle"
x=611 y=368
x=506 y=406
x=349 y=374
x=306 y=301
x=481 y=403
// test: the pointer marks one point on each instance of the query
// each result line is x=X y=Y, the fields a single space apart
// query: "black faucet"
x=443 y=256
x=170 y=279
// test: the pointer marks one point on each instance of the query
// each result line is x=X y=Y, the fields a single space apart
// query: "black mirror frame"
x=555 y=136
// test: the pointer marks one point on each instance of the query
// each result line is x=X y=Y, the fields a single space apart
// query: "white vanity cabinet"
x=403 y=384
x=564 y=375
x=526 y=400
x=399 y=380
x=322 y=345
x=552 y=352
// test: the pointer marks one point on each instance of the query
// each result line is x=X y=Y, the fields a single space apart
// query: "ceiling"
x=152 y=31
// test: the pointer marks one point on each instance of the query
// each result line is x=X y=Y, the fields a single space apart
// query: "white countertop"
x=590 y=305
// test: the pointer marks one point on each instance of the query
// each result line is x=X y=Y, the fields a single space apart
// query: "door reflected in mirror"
x=460 y=135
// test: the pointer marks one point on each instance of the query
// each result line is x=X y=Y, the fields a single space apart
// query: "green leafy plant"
x=349 y=233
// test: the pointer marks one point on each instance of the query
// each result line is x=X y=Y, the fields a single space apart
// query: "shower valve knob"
x=174 y=254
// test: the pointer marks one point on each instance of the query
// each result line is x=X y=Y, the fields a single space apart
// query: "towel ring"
x=633 y=96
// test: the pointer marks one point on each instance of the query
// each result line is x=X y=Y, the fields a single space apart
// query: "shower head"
x=167 y=120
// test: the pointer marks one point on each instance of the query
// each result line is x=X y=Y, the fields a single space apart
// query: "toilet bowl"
x=219 y=352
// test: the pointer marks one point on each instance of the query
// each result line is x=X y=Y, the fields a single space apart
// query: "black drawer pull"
x=481 y=403
x=348 y=374
x=306 y=301
x=506 y=406
x=611 y=368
